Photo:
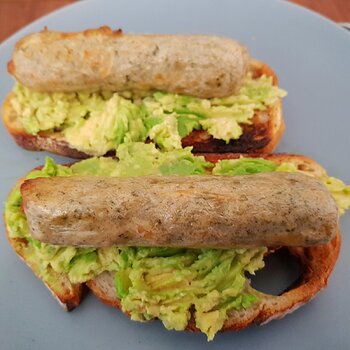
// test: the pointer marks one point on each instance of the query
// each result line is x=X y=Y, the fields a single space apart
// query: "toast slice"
x=262 y=136
x=317 y=264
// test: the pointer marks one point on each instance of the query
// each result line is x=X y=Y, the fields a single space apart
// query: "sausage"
x=195 y=65
x=268 y=209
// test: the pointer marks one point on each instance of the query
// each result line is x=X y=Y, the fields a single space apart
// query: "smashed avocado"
x=98 y=122
x=164 y=283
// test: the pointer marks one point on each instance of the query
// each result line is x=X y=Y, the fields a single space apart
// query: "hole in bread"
x=281 y=272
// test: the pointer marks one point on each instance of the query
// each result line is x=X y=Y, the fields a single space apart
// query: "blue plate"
x=311 y=57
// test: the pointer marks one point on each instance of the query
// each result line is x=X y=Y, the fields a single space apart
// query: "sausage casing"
x=269 y=209
x=195 y=65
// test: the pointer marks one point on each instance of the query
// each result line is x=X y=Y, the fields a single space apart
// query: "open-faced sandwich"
x=83 y=94
x=173 y=236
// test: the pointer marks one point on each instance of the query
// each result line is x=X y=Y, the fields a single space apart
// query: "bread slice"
x=262 y=136
x=317 y=264
x=67 y=294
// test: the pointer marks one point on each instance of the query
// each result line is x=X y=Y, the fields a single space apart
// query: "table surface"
x=15 y=14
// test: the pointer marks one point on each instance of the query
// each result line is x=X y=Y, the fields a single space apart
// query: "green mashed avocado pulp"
x=96 y=123
x=164 y=283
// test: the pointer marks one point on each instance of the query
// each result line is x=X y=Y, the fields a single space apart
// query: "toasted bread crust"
x=317 y=264
x=50 y=142
x=262 y=136
x=67 y=294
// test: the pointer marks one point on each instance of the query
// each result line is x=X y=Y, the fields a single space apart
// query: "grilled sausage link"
x=268 y=209
x=196 y=65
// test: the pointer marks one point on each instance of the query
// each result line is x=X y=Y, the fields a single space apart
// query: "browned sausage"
x=267 y=209
x=197 y=65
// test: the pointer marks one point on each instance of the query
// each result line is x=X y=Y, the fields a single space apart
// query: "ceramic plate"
x=311 y=56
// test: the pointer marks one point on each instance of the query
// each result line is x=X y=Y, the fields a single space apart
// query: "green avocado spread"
x=164 y=283
x=98 y=122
